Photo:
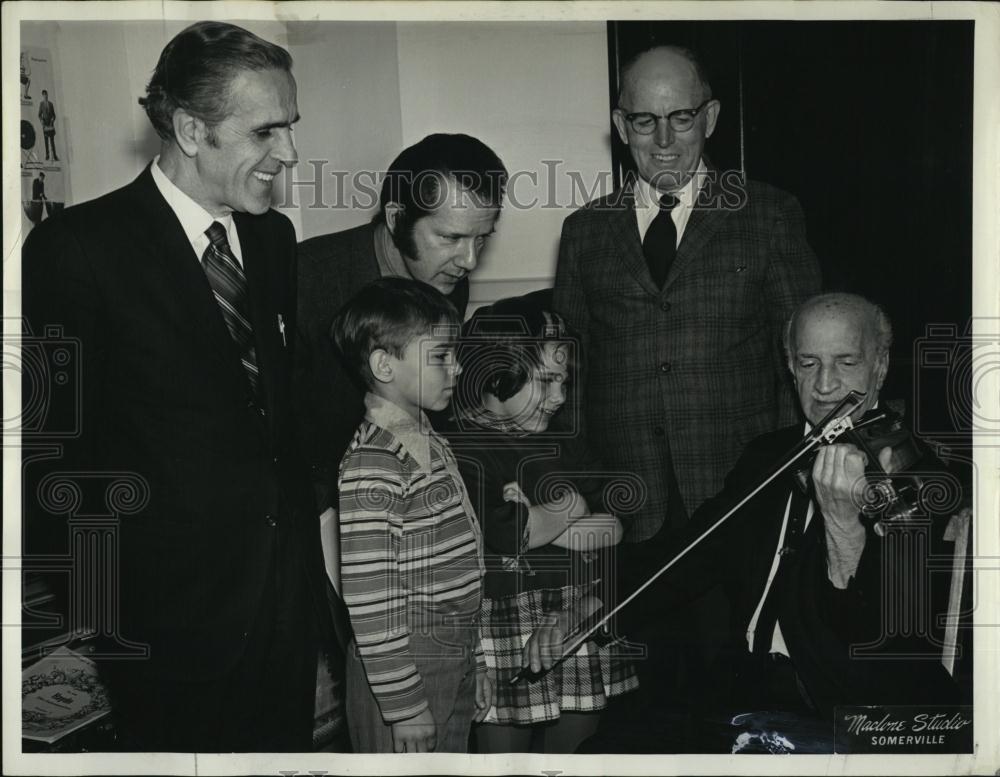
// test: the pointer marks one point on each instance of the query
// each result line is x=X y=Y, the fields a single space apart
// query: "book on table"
x=60 y=693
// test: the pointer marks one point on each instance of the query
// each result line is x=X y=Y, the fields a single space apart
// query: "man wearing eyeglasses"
x=679 y=283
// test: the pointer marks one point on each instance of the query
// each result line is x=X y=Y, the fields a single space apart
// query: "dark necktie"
x=230 y=287
x=660 y=243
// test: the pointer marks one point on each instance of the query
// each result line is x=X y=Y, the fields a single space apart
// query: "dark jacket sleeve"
x=715 y=559
x=793 y=275
x=594 y=482
x=879 y=639
x=902 y=556
x=503 y=523
x=63 y=359
x=570 y=301
x=329 y=400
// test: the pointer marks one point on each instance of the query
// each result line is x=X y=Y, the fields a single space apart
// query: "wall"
x=350 y=130
x=104 y=67
x=535 y=92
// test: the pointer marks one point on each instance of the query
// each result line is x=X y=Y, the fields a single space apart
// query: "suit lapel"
x=705 y=219
x=363 y=267
x=186 y=285
x=256 y=246
x=766 y=536
x=625 y=235
x=363 y=255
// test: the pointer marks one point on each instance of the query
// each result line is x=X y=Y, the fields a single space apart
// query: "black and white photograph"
x=501 y=388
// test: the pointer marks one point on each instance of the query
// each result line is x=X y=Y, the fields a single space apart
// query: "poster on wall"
x=44 y=153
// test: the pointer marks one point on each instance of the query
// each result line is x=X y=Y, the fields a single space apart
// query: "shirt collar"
x=390 y=261
x=646 y=196
x=414 y=434
x=194 y=218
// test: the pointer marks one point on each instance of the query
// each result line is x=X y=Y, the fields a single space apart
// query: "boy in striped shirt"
x=411 y=552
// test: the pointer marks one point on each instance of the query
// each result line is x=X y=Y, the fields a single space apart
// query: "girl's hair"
x=502 y=345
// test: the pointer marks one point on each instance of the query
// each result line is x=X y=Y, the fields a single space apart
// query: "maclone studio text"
x=889 y=730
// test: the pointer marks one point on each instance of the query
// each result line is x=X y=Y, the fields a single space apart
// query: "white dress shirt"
x=647 y=202
x=194 y=218
x=777 y=640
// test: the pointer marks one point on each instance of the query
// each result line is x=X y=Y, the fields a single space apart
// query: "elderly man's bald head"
x=840 y=304
x=660 y=62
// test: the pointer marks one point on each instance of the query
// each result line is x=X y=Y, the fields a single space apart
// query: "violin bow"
x=836 y=422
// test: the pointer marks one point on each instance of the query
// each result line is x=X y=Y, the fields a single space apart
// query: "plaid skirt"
x=581 y=683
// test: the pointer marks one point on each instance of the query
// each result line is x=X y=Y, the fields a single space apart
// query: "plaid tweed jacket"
x=697 y=365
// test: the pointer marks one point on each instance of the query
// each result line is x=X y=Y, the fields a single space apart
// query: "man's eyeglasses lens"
x=680 y=121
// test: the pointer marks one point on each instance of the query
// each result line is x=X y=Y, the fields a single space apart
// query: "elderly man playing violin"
x=833 y=603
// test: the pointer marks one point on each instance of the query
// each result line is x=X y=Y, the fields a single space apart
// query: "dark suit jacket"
x=164 y=396
x=698 y=363
x=819 y=623
x=329 y=400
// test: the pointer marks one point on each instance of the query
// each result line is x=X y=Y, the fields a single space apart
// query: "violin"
x=889 y=500
x=892 y=494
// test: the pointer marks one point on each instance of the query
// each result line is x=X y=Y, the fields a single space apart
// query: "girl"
x=547 y=534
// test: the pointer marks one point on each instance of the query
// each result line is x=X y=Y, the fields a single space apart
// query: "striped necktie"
x=229 y=285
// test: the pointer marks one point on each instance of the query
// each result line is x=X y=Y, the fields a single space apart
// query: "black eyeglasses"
x=680 y=120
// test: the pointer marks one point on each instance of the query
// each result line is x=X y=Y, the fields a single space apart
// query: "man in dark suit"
x=679 y=284
x=47 y=116
x=830 y=606
x=683 y=349
x=180 y=289
x=845 y=601
x=439 y=203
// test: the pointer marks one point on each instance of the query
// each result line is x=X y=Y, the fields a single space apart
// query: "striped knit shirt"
x=410 y=548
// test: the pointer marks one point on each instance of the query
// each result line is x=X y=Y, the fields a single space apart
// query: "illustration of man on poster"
x=45 y=185
x=47 y=116
x=38 y=188
x=34 y=207
x=25 y=76
x=39 y=202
